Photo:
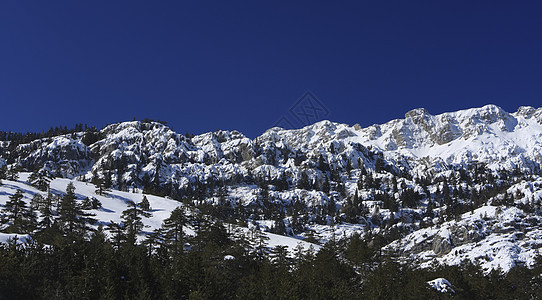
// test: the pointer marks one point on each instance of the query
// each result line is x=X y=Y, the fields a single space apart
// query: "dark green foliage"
x=391 y=280
x=3 y=172
x=15 y=212
x=132 y=221
x=173 y=230
x=303 y=182
x=12 y=173
x=144 y=204
x=94 y=268
x=410 y=198
x=71 y=218
x=40 y=179
x=91 y=136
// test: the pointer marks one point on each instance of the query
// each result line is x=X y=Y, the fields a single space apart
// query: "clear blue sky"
x=205 y=65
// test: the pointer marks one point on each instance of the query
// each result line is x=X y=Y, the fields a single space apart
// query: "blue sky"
x=207 y=65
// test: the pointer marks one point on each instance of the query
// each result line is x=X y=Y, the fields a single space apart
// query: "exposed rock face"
x=493 y=236
x=455 y=235
x=63 y=155
x=448 y=132
x=487 y=134
x=442 y=240
x=441 y=245
x=417 y=143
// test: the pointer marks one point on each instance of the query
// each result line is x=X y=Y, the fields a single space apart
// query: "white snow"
x=114 y=203
x=442 y=285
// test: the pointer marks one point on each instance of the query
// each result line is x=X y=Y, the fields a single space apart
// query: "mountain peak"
x=416 y=112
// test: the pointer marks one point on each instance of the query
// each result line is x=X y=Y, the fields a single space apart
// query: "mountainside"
x=448 y=187
x=113 y=203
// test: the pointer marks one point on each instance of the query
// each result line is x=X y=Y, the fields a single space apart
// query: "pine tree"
x=107 y=180
x=303 y=182
x=71 y=217
x=279 y=227
x=280 y=257
x=86 y=204
x=30 y=220
x=118 y=235
x=322 y=164
x=132 y=221
x=15 y=208
x=68 y=210
x=326 y=186
x=173 y=229
x=46 y=210
x=259 y=242
x=95 y=203
x=144 y=204
x=380 y=165
x=102 y=188
x=95 y=178
x=331 y=206
x=3 y=172
x=40 y=180
x=36 y=201
x=13 y=173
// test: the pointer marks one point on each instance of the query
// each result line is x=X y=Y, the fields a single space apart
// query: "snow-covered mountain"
x=487 y=134
x=438 y=187
x=420 y=141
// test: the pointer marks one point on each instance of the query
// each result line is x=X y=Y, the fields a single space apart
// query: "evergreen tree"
x=331 y=206
x=40 y=180
x=3 y=172
x=326 y=186
x=258 y=242
x=118 y=234
x=12 y=173
x=132 y=221
x=15 y=209
x=101 y=187
x=86 y=204
x=30 y=220
x=96 y=204
x=279 y=227
x=173 y=230
x=379 y=165
x=71 y=218
x=107 y=183
x=46 y=210
x=303 y=182
x=280 y=258
x=144 y=204
x=322 y=164
x=36 y=201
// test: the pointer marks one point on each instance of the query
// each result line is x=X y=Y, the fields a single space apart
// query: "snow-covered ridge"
x=228 y=166
x=420 y=141
x=487 y=134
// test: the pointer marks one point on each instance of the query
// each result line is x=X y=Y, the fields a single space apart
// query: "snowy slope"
x=495 y=237
x=114 y=203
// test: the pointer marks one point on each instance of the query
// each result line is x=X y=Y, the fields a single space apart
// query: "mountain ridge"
x=393 y=180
